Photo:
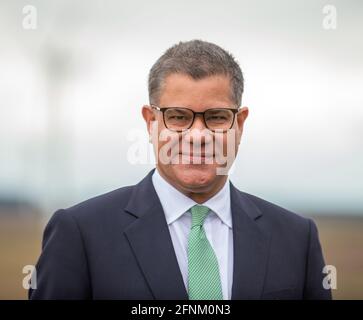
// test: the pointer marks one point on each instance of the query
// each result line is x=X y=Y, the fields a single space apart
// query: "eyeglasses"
x=181 y=119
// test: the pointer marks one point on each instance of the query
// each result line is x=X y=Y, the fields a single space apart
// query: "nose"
x=198 y=132
x=198 y=122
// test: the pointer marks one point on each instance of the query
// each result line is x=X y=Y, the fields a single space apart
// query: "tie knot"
x=199 y=213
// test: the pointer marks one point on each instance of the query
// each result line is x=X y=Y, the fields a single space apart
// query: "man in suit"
x=184 y=231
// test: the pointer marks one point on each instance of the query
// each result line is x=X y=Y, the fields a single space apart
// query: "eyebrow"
x=220 y=109
x=176 y=109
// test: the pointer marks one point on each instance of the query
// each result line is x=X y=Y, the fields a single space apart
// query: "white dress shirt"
x=217 y=226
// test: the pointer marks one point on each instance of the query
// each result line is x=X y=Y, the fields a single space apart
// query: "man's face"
x=190 y=159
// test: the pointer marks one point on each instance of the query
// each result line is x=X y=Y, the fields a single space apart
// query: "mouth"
x=196 y=159
x=197 y=155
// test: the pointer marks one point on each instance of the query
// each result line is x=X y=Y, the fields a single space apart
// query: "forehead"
x=183 y=90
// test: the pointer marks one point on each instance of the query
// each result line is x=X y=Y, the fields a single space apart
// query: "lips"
x=202 y=155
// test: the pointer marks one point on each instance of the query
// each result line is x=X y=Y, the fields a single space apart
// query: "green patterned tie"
x=203 y=271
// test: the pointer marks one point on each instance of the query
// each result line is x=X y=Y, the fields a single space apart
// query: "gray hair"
x=197 y=59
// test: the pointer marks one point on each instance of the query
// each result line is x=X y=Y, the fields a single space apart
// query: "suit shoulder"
x=285 y=225
x=277 y=214
x=101 y=205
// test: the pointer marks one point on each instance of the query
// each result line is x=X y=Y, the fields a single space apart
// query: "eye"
x=177 y=117
x=217 y=118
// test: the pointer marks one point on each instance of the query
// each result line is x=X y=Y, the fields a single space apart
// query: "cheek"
x=235 y=136
x=221 y=144
x=167 y=146
x=227 y=144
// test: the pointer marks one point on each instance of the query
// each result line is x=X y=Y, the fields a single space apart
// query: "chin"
x=194 y=176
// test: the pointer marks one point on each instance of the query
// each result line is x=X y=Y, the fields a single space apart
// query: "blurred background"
x=73 y=79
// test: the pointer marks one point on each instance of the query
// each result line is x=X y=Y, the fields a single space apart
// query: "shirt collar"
x=220 y=203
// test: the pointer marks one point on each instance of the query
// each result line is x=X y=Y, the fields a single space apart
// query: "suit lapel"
x=151 y=243
x=250 y=248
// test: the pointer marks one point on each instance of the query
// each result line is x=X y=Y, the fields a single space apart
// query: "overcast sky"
x=72 y=89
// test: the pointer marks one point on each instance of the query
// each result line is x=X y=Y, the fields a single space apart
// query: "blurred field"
x=342 y=242
x=20 y=245
x=341 y=238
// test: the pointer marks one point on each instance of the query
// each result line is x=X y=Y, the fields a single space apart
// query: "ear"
x=241 y=118
x=149 y=116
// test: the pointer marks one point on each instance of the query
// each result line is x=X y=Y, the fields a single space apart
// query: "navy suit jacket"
x=118 y=246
